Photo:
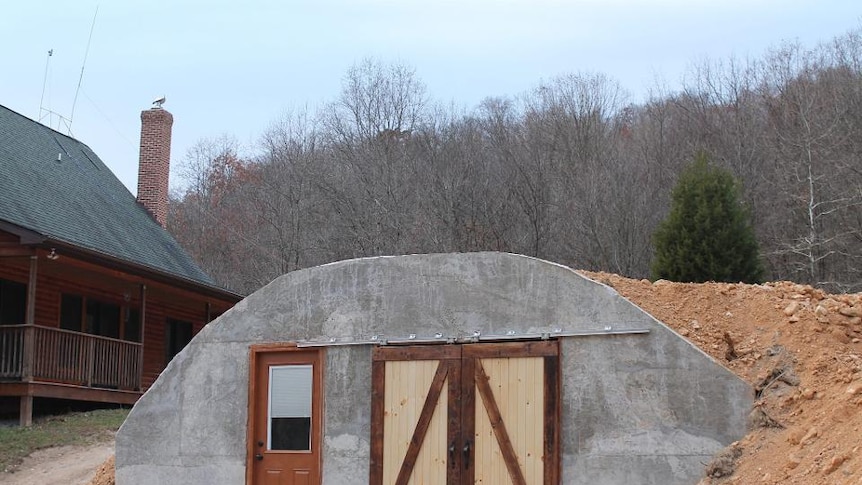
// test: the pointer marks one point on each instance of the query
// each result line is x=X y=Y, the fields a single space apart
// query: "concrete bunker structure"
x=449 y=367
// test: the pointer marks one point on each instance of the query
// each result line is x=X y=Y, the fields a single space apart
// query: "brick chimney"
x=155 y=162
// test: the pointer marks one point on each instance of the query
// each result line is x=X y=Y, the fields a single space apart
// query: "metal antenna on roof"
x=45 y=82
x=47 y=112
x=83 y=65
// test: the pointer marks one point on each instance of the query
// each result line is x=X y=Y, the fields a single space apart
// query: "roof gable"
x=56 y=186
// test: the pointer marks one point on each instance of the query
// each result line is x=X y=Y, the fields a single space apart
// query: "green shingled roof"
x=78 y=200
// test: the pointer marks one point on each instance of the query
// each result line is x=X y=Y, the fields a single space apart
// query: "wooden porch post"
x=26 y=409
x=143 y=337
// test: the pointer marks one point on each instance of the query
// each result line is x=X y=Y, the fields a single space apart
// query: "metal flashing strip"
x=440 y=339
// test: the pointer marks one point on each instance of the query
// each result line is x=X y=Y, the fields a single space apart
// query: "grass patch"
x=67 y=429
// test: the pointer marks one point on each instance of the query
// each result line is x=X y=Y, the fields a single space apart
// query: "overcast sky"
x=233 y=67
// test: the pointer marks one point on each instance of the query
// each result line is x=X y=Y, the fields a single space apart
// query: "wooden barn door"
x=415 y=429
x=511 y=412
x=465 y=414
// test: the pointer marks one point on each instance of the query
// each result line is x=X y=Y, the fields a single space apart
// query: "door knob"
x=258 y=457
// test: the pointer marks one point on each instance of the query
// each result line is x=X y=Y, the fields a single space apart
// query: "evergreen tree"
x=707 y=236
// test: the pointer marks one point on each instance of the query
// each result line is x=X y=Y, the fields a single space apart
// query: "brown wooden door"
x=285 y=432
x=465 y=414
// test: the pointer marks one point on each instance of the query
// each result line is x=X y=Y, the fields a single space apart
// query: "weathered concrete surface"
x=637 y=409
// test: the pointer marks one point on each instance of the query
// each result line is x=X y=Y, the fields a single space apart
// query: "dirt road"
x=64 y=465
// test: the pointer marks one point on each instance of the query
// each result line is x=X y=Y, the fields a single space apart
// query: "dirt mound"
x=105 y=473
x=800 y=350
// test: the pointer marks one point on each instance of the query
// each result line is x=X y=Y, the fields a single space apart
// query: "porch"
x=38 y=361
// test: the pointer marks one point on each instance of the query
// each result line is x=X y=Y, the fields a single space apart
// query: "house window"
x=96 y=317
x=132 y=329
x=179 y=333
x=71 y=312
x=13 y=303
x=103 y=319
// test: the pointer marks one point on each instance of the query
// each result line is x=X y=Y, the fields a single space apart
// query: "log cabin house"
x=96 y=296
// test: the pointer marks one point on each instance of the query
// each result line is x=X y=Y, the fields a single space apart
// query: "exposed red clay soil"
x=797 y=346
x=105 y=473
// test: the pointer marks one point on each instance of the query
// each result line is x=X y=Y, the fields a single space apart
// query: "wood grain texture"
x=552 y=383
x=468 y=422
x=453 y=426
x=406 y=390
x=497 y=425
x=428 y=409
x=508 y=435
x=511 y=349
x=378 y=380
x=419 y=352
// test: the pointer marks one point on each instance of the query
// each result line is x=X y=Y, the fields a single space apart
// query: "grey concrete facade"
x=636 y=409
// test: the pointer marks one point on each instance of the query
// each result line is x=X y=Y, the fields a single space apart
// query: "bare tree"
x=369 y=132
x=571 y=171
x=209 y=216
x=813 y=139
x=289 y=209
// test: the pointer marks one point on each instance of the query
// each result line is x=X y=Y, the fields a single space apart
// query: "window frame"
x=86 y=301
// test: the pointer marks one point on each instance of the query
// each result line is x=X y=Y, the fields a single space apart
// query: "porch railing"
x=11 y=351
x=44 y=354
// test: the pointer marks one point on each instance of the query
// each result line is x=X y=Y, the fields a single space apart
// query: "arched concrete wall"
x=644 y=409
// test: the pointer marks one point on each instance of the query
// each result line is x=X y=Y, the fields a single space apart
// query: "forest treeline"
x=572 y=171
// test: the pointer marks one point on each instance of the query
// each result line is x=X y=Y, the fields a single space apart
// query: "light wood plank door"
x=414 y=438
x=466 y=414
x=511 y=394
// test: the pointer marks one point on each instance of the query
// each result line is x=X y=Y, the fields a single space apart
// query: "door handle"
x=467 y=455
x=258 y=457
x=452 y=455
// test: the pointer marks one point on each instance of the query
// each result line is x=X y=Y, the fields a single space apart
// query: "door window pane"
x=290 y=390
x=291 y=434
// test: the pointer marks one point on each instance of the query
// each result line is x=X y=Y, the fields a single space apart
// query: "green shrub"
x=707 y=236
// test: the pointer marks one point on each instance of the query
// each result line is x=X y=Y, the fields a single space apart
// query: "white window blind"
x=290 y=391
